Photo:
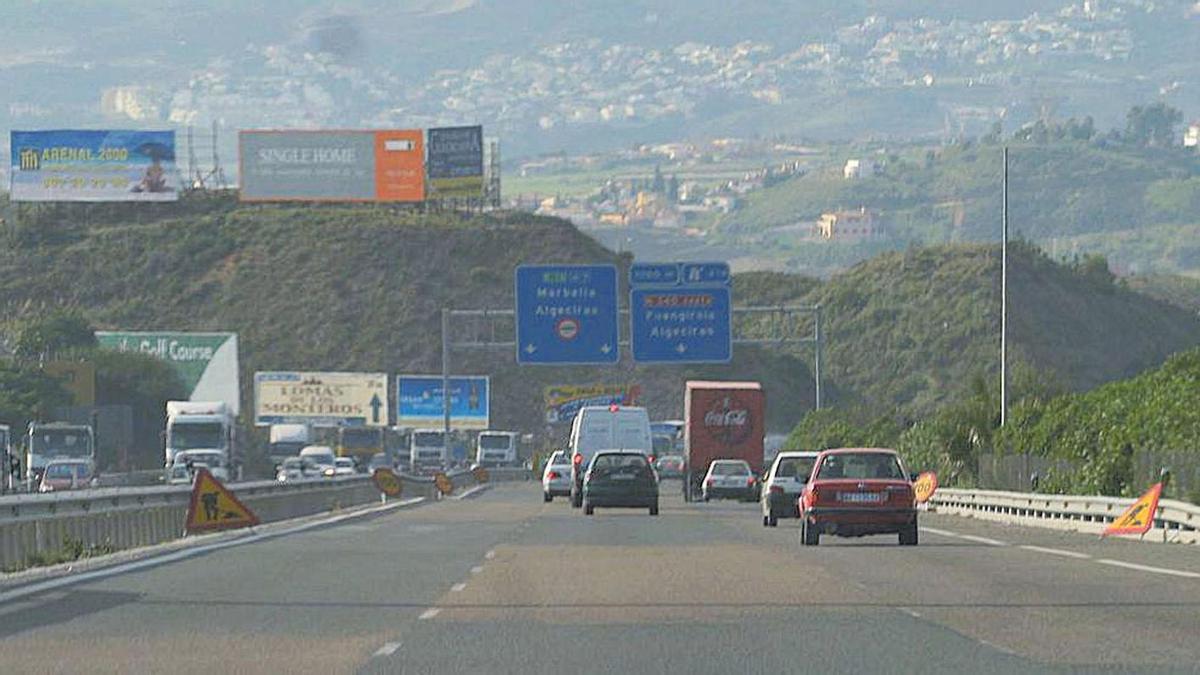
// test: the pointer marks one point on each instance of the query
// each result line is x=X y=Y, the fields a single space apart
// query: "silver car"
x=783 y=484
x=556 y=477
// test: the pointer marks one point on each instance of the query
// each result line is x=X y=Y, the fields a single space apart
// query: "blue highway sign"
x=567 y=314
x=681 y=318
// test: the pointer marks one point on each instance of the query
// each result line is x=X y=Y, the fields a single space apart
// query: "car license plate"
x=860 y=497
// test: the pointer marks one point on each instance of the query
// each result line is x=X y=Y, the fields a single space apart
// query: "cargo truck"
x=360 y=443
x=202 y=427
x=724 y=420
x=287 y=440
x=427 y=449
x=496 y=448
x=56 y=440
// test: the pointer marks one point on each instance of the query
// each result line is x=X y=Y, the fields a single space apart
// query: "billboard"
x=562 y=402
x=206 y=362
x=321 y=399
x=68 y=165
x=419 y=401
x=332 y=166
x=456 y=162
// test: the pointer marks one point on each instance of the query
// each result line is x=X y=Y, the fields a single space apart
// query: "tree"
x=27 y=395
x=51 y=335
x=1152 y=125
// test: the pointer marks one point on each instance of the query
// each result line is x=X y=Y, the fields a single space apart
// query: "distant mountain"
x=548 y=76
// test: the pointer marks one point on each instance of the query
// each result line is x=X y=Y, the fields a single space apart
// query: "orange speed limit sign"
x=924 y=486
x=442 y=481
x=388 y=482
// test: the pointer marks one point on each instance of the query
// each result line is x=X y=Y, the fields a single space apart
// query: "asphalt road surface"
x=502 y=583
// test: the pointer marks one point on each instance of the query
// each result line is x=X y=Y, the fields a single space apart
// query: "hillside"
x=331 y=288
x=910 y=329
x=1136 y=206
x=361 y=288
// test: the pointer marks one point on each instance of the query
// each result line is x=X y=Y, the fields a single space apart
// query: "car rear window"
x=611 y=462
x=792 y=467
x=730 y=469
x=560 y=459
x=861 y=465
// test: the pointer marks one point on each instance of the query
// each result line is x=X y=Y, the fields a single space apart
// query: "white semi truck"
x=204 y=431
x=287 y=440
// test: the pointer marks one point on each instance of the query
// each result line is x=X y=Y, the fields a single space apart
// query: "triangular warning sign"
x=213 y=507
x=1139 y=517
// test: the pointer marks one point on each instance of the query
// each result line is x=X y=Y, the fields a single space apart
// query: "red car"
x=858 y=491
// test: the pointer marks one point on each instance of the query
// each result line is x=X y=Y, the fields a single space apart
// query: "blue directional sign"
x=683 y=321
x=567 y=314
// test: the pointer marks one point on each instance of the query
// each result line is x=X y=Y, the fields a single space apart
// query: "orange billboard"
x=400 y=166
x=332 y=165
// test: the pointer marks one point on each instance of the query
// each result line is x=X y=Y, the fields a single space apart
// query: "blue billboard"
x=455 y=162
x=419 y=401
x=93 y=166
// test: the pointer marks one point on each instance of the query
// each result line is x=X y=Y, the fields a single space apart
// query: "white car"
x=344 y=466
x=730 y=479
x=556 y=477
x=783 y=484
x=323 y=457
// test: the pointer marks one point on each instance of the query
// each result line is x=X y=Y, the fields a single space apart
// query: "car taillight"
x=811 y=497
x=750 y=481
x=553 y=475
x=577 y=460
x=651 y=459
x=776 y=489
x=711 y=482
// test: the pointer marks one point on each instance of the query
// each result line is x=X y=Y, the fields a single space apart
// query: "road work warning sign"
x=214 y=507
x=443 y=483
x=1139 y=517
x=388 y=482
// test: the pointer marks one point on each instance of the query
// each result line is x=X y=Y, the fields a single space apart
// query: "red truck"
x=724 y=420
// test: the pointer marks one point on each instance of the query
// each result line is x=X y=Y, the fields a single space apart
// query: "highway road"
x=502 y=583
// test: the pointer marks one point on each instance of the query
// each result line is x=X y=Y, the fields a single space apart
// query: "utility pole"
x=446 y=385
x=1004 y=291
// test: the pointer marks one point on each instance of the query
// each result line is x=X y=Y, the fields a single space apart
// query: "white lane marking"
x=489 y=555
x=387 y=649
x=156 y=560
x=913 y=613
x=476 y=570
x=472 y=492
x=1148 y=568
x=942 y=533
x=429 y=613
x=1057 y=551
x=982 y=540
x=458 y=588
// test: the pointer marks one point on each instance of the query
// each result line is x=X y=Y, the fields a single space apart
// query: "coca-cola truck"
x=724 y=420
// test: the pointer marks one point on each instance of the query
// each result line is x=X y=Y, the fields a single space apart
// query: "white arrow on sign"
x=681 y=348
x=605 y=349
x=529 y=348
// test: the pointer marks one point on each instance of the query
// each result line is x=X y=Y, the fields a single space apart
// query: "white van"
x=599 y=428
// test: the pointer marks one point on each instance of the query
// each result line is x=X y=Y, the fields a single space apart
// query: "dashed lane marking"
x=1057 y=551
x=490 y=554
x=429 y=613
x=940 y=533
x=1148 y=568
x=476 y=570
x=982 y=540
x=458 y=588
x=387 y=649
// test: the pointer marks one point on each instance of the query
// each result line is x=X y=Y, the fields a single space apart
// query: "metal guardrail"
x=40 y=525
x=1174 y=521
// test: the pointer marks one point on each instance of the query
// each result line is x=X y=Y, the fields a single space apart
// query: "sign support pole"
x=446 y=384
x=817 y=354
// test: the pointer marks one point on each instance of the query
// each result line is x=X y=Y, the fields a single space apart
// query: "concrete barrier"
x=34 y=526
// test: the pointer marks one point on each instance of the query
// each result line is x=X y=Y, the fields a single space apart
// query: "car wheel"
x=766 y=521
x=576 y=499
x=908 y=535
x=654 y=509
x=705 y=496
x=809 y=536
x=588 y=509
x=772 y=521
x=547 y=497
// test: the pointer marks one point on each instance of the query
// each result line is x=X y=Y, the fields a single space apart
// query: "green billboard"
x=206 y=362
